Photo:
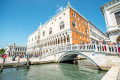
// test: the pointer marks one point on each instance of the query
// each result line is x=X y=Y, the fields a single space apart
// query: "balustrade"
x=86 y=47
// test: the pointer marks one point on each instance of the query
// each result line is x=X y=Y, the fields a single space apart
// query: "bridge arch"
x=70 y=55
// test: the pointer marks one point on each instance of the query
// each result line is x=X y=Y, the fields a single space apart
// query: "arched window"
x=62 y=25
x=73 y=24
x=29 y=41
x=32 y=39
x=74 y=15
x=43 y=33
x=86 y=31
x=80 y=36
x=50 y=31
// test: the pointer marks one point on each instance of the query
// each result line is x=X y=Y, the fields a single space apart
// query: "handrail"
x=86 y=47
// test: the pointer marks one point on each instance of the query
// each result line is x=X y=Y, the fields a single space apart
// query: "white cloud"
x=59 y=9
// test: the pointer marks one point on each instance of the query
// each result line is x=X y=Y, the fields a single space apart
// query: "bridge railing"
x=108 y=48
x=113 y=49
x=68 y=48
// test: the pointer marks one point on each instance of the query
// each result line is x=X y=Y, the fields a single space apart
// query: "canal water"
x=54 y=71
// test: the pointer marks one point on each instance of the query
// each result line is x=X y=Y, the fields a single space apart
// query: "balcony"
x=110 y=28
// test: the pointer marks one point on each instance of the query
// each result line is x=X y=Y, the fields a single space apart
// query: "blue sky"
x=20 y=18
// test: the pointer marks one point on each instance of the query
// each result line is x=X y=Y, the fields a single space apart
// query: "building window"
x=86 y=31
x=43 y=33
x=78 y=24
x=73 y=14
x=73 y=24
x=117 y=15
x=81 y=20
x=85 y=22
x=79 y=29
x=62 y=25
x=82 y=31
x=59 y=17
x=80 y=36
x=32 y=39
x=64 y=14
x=50 y=31
x=78 y=17
x=29 y=41
x=82 y=26
x=83 y=37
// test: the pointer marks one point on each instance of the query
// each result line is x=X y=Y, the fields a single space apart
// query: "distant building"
x=111 y=12
x=95 y=34
x=68 y=27
x=15 y=50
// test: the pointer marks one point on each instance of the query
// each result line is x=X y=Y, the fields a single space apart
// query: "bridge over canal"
x=102 y=56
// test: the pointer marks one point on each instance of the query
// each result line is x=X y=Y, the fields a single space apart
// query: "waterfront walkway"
x=24 y=60
x=112 y=74
x=119 y=75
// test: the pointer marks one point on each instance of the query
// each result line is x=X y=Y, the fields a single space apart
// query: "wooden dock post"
x=28 y=61
x=18 y=62
x=2 y=66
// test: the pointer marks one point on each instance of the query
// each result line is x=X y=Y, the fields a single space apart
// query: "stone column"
x=66 y=39
x=63 y=39
x=54 y=41
x=70 y=36
x=45 y=51
x=57 y=41
x=47 y=43
x=60 y=40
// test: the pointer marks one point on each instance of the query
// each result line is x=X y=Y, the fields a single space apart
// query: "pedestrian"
x=105 y=48
x=4 y=57
x=118 y=46
x=13 y=58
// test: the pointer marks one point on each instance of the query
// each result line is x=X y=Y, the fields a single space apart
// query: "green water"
x=53 y=71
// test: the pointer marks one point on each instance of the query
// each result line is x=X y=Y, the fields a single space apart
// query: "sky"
x=20 y=18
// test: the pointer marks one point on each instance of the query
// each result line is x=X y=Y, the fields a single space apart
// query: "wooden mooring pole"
x=18 y=62
x=28 y=61
x=2 y=66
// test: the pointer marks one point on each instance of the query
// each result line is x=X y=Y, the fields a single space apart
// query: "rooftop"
x=108 y=4
x=15 y=45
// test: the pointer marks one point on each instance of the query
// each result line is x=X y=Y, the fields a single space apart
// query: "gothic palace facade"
x=66 y=28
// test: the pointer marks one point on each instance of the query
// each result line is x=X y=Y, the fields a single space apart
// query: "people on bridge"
x=119 y=46
x=105 y=48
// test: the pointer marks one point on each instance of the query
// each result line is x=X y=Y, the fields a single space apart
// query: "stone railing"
x=107 y=49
